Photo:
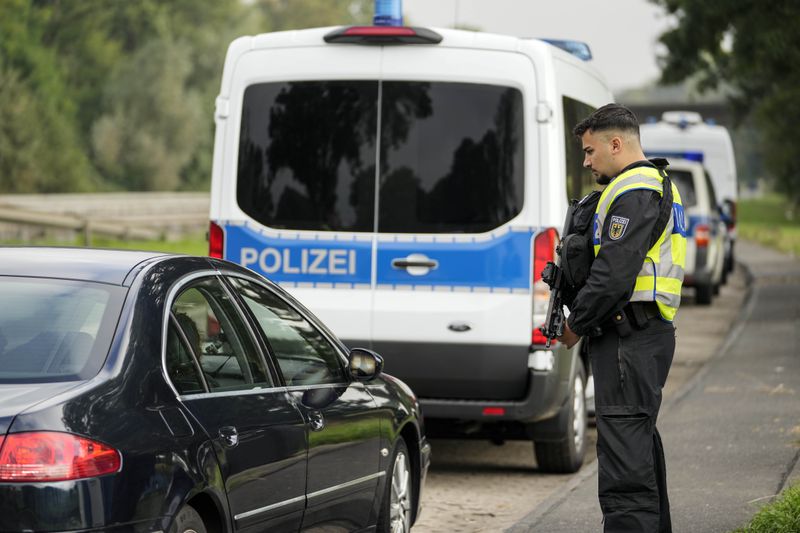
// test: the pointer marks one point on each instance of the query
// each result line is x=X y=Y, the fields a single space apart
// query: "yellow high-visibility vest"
x=661 y=276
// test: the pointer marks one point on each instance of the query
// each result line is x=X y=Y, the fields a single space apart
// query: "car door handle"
x=415 y=264
x=229 y=436
x=316 y=421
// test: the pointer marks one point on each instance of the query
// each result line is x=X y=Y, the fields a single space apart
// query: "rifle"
x=553 y=275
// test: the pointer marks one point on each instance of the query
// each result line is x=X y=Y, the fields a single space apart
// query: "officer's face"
x=598 y=154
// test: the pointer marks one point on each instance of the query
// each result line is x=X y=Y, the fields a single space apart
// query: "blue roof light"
x=388 y=13
x=579 y=49
x=688 y=155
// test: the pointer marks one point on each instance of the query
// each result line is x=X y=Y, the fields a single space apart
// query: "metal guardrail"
x=126 y=215
x=78 y=224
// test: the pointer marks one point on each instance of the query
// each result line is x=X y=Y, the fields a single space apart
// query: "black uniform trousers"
x=629 y=374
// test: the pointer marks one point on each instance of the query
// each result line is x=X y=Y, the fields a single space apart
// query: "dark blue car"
x=150 y=392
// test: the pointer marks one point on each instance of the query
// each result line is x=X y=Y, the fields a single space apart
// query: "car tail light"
x=702 y=235
x=51 y=456
x=216 y=241
x=494 y=411
x=544 y=250
x=538 y=338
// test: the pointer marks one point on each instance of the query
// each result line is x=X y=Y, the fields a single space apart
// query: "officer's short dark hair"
x=609 y=117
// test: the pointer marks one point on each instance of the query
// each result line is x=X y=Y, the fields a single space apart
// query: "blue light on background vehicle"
x=388 y=13
x=690 y=156
x=579 y=49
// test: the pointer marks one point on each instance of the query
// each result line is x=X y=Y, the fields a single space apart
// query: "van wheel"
x=397 y=506
x=566 y=456
x=703 y=294
x=187 y=521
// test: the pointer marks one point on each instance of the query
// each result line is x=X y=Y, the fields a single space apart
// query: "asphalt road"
x=478 y=486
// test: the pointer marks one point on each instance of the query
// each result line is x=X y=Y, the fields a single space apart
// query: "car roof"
x=86 y=264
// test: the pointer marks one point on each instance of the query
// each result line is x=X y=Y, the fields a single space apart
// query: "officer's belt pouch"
x=621 y=323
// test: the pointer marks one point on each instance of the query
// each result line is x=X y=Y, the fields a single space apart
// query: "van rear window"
x=451 y=156
x=684 y=181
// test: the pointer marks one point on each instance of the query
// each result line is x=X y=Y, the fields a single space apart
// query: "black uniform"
x=630 y=362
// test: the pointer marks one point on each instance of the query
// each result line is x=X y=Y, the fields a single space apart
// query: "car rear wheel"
x=398 y=500
x=566 y=456
x=187 y=521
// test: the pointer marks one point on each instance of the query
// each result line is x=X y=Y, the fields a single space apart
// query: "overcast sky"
x=621 y=33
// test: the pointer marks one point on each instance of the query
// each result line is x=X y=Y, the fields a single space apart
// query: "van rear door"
x=452 y=305
x=304 y=127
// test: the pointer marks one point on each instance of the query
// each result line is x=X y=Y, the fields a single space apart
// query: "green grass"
x=193 y=244
x=781 y=516
x=770 y=221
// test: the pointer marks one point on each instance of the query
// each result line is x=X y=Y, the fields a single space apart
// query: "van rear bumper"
x=546 y=393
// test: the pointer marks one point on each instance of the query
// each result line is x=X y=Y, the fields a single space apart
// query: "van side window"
x=217 y=336
x=579 y=179
x=304 y=355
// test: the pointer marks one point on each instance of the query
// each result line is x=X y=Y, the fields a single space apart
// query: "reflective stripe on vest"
x=661 y=276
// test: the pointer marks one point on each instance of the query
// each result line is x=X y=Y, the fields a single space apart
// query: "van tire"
x=704 y=294
x=566 y=456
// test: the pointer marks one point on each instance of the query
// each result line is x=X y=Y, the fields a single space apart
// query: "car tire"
x=187 y=521
x=566 y=456
x=397 y=507
x=704 y=294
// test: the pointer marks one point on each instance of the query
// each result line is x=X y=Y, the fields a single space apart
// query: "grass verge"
x=770 y=221
x=192 y=245
x=781 y=516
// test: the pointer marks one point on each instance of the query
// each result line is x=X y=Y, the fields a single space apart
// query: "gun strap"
x=665 y=204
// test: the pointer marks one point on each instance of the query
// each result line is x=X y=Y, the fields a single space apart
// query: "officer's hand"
x=569 y=338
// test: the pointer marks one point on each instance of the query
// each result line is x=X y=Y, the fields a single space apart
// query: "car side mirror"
x=365 y=365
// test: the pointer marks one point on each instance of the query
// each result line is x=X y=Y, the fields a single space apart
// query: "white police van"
x=684 y=135
x=405 y=184
x=705 y=228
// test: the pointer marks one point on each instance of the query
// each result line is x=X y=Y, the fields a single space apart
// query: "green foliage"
x=111 y=94
x=754 y=48
x=771 y=221
x=781 y=516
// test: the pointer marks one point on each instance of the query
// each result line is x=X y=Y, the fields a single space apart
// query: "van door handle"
x=229 y=436
x=415 y=264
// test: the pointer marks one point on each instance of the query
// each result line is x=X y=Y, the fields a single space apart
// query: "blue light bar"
x=688 y=155
x=388 y=13
x=577 y=48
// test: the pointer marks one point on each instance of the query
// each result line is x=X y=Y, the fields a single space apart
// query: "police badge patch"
x=617 y=228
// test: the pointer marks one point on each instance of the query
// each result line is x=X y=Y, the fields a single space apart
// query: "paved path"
x=732 y=433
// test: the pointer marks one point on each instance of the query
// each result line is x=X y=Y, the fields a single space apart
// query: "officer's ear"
x=616 y=144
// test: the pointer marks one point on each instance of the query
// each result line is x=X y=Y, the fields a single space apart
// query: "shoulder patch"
x=617 y=228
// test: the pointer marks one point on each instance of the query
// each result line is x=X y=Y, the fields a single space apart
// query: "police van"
x=684 y=135
x=406 y=185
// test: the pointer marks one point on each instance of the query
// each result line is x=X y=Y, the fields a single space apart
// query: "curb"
x=792 y=475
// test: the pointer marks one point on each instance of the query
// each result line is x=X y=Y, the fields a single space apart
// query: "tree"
x=754 y=47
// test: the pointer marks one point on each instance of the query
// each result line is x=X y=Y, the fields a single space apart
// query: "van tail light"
x=382 y=35
x=216 y=240
x=544 y=250
x=51 y=456
x=702 y=235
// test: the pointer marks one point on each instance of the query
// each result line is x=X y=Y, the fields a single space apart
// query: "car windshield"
x=55 y=330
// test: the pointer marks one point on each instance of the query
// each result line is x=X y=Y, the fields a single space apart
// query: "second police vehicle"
x=405 y=184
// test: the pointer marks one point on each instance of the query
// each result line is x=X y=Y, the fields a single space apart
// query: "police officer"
x=628 y=303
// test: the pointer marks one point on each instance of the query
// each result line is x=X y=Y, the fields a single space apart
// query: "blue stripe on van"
x=500 y=262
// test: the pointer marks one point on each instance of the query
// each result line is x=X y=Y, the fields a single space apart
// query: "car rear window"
x=684 y=181
x=451 y=156
x=55 y=330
